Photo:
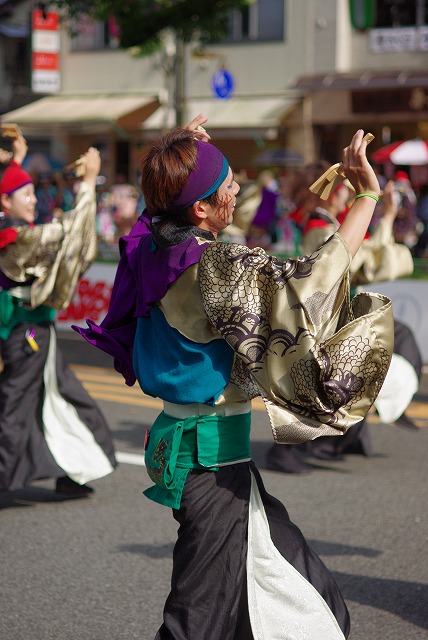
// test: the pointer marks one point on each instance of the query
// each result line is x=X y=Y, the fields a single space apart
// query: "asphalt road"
x=99 y=568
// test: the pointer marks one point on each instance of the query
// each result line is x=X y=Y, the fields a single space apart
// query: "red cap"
x=14 y=178
x=401 y=175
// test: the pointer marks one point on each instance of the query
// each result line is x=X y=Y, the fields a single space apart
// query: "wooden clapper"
x=331 y=178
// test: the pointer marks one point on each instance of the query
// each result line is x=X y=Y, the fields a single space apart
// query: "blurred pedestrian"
x=49 y=425
x=303 y=199
x=420 y=250
x=287 y=232
x=106 y=228
x=263 y=225
x=47 y=195
x=204 y=326
x=67 y=187
x=405 y=224
x=124 y=198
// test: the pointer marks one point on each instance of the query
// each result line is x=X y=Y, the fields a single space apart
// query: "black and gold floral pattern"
x=318 y=363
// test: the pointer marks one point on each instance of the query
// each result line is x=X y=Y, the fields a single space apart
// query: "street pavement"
x=99 y=568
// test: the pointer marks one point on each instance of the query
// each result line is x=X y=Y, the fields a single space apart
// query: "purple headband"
x=210 y=171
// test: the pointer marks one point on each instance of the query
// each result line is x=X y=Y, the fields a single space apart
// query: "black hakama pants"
x=25 y=454
x=208 y=598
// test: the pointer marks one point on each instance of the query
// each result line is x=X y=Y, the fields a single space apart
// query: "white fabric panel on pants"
x=401 y=384
x=71 y=443
x=283 y=605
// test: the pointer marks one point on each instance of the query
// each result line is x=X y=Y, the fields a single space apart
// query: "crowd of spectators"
x=272 y=210
x=118 y=204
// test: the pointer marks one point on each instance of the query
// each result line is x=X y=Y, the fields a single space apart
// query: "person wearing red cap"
x=17 y=192
x=14 y=178
x=49 y=426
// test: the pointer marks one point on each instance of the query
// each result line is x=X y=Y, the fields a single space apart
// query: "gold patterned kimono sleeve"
x=318 y=362
x=56 y=254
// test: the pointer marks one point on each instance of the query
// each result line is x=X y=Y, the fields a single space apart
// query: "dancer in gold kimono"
x=49 y=425
x=206 y=326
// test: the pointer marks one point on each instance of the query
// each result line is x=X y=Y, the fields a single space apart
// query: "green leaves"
x=141 y=21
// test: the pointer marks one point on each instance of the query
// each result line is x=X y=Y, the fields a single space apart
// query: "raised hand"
x=357 y=168
x=5 y=156
x=19 y=148
x=92 y=165
x=196 y=126
x=364 y=180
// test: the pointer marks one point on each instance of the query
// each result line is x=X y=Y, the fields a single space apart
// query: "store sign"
x=399 y=40
x=45 y=76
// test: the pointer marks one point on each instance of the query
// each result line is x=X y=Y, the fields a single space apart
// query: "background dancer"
x=49 y=425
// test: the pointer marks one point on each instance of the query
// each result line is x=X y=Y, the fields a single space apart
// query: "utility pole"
x=173 y=63
x=179 y=89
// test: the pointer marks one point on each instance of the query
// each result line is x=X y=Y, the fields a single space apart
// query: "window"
x=17 y=58
x=262 y=20
x=94 y=35
x=400 y=13
x=399 y=25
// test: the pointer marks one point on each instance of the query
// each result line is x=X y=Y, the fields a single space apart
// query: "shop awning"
x=233 y=113
x=144 y=112
x=14 y=30
x=125 y=111
x=363 y=80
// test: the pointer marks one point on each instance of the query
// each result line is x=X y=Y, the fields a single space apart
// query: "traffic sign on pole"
x=222 y=84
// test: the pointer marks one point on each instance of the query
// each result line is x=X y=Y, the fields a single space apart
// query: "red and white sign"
x=45 y=52
x=91 y=298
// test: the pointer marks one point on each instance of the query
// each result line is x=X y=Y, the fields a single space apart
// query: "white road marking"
x=130 y=458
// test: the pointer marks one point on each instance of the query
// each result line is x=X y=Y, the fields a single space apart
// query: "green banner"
x=362 y=13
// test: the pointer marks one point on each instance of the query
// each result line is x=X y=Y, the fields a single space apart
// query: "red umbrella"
x=409 y=152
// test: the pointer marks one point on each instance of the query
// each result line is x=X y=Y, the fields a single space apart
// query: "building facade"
x=293 y=74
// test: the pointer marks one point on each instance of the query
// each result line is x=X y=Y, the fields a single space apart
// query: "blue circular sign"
x=223 y=84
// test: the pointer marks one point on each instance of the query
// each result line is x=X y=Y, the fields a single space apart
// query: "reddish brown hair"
x=166 y=168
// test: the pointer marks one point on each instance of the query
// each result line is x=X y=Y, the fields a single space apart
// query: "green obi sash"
x=200 y=442
x=12 y=313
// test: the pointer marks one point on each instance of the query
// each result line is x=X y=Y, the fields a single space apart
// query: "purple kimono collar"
x=148 y=271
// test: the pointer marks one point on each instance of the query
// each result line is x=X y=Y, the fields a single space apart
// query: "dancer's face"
x=219 y=217
x=21 y=204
